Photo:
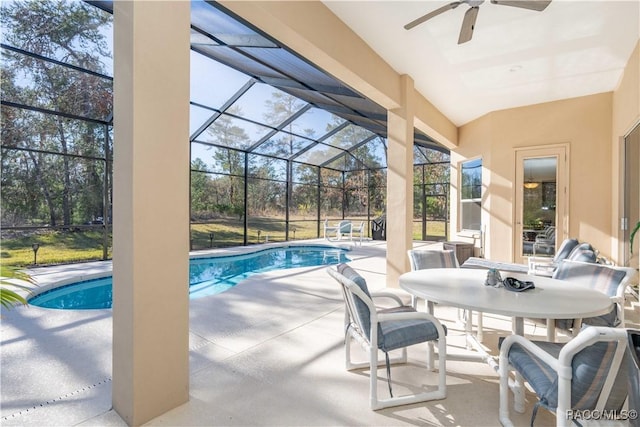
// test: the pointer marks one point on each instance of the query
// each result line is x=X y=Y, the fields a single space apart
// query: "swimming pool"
x=207 y=276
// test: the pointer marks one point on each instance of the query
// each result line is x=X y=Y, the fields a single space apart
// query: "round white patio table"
x=465 y=288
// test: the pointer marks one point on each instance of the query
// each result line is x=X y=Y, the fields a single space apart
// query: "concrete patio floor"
x=267 y=352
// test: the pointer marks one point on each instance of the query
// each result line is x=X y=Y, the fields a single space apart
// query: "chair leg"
x=430 y=344
x=386 y=357
x=347 y=351
x=503 y=410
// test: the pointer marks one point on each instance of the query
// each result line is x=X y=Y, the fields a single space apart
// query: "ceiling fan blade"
x=468 y=24
x=430 y=15
x=538 y=5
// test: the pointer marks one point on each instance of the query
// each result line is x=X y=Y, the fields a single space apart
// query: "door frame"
x=561 y=152
x=625 y=223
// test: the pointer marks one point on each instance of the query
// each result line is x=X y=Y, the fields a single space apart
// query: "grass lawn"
x=59 y=247
x=55 y=247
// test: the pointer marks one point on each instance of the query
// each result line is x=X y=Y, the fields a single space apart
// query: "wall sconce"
x=35 y=248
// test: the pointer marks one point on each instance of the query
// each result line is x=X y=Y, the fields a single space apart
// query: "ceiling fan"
x=469 y=21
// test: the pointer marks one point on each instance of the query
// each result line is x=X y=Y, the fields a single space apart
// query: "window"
x=471 y=194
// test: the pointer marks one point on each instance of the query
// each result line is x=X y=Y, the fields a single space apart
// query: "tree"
x=72 y=33
x=278 y=109
x=202 y=190
x=226 y=133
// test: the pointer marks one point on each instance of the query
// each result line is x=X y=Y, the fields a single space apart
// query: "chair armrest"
x=541 y=265
x=540 y=260
x=394 y=297
x=530 y=346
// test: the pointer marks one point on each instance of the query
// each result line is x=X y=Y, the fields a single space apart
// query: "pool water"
x=207 y=276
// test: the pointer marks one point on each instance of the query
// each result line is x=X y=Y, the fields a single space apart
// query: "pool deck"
x=249 y=364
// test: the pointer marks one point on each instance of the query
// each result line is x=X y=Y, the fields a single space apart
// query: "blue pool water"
x=207 y=276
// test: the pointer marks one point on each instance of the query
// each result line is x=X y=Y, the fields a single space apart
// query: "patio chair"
x=430 y=258
x=359 y=230
x=609 y=280
x=345 y=229
x=329 y=230
x=584 y=252
x=587 y=373
x=545 y=266
x=633 y=370
x=545 y=241
x=422 y=259
x=387 y=330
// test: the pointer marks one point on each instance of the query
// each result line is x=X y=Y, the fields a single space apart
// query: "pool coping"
x=106 y=267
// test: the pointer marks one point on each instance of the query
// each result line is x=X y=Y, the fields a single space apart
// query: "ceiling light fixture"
x=530 y=183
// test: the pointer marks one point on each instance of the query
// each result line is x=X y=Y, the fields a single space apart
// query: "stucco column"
x=400 y=183
x=151 y=208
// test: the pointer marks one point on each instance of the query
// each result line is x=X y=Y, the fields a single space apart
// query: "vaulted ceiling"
x=516 y=56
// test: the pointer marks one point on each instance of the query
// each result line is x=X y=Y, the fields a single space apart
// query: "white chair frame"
x=370 y=344
x=562 y=365
x=328 y=230
x=618 y=299
x=464 y=316
x=359 y=229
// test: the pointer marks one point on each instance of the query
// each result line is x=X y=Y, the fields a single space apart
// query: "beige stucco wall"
x=592 y=126
x=151 y=209
x=584 y=124
x=626 y=115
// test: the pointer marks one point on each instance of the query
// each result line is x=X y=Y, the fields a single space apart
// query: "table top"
x=465 y=288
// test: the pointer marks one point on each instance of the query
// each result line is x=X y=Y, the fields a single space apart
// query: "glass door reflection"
x=539 y=206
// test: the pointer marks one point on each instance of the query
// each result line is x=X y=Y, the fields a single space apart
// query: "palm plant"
x=632 y=236
x=9 y=277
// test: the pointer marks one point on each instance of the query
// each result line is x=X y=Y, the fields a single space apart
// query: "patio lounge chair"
x=587 y=373
x=387 y=330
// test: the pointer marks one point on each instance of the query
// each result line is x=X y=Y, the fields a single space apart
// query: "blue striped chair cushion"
x=395 y=334
x=594 y=276
x=590 y=369
x=584 y=252
x=433 y=259
x=565 y=249
x=364 y=316
x=610 y=320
